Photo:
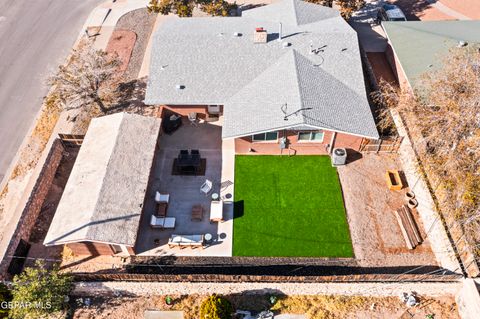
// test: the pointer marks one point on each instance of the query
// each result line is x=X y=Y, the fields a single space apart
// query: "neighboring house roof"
x=103 y=198
x=420 y=45
x=214 y=66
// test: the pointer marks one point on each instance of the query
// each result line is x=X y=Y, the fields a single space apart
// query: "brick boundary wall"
x=311 y=289
x=34 y=204
x=218 y=278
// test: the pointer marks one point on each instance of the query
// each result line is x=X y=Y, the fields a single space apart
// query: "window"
x=310 y=136
x=269 y=136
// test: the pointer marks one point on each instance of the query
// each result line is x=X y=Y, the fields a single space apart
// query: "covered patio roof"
x=103 y=199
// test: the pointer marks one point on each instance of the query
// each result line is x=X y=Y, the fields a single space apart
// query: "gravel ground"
x=141 y=22
x=315 y=307
x=376 y=235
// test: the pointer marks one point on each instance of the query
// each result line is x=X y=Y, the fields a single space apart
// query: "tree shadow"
x=413 y=10
x=255 y=301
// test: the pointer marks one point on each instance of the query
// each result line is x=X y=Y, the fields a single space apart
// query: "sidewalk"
x=107 y=15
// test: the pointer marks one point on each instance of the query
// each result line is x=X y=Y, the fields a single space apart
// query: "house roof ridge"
x=300 y=94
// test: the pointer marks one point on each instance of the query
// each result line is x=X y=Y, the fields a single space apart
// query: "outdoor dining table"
x=188 y=162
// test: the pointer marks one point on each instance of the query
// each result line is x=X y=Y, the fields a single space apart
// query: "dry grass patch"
x=315 y=307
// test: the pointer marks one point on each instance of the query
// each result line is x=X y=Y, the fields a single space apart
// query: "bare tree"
x=347 y=7
x=184 y=8
x=444 y=121
x=91 y=78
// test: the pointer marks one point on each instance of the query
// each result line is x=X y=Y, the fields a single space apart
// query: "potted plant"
x=168 y=301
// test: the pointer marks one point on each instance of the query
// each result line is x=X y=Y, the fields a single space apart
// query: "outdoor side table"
x=208 y=238
x=215 y=196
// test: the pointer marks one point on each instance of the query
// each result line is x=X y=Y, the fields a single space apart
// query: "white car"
x=390 y=12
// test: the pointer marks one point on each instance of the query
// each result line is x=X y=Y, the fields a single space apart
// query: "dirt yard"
x=121 y=43
x=376 y=235
x=315 y=307
x=37 y=249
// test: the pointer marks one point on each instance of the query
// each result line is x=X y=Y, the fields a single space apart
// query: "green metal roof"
x=420 y=45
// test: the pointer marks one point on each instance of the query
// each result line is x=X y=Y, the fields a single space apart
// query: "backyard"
x=289 y=207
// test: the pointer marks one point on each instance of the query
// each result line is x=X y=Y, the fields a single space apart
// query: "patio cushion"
x=187 y=240
x=162 y=198
x=216 y=211
x=167 y=222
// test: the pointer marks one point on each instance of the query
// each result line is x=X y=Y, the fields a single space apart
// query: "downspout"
x=332 y=142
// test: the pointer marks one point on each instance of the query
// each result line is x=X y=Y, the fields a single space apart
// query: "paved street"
x=35 y=36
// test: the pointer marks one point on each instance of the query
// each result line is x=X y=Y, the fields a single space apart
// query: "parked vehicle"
x=390 y=12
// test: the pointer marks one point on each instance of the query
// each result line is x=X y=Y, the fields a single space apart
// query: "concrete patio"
x=185 y=192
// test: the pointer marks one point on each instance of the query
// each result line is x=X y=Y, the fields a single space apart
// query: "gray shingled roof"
x=296 y=81
x=216 y=67
x=104 y=195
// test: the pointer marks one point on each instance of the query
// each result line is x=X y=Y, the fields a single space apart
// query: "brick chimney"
x=260 y=35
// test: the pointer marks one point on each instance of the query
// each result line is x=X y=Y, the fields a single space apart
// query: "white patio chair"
x=206 y=187
x=192 y=117
x=162 y=198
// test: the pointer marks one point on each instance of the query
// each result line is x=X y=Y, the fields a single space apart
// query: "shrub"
x=43 y=291
x=216 y=307
x=5 y=295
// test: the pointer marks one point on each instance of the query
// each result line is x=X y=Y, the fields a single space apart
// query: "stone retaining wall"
x=34 y=204
x=348 y=289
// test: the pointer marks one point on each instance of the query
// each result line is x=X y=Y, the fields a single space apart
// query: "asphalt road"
x=35 y=37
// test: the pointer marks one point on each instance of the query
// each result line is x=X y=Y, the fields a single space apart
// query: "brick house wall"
x=34 y=204
x=90 y=248
x=245 y=145
x=397 y=68
x=184 y=110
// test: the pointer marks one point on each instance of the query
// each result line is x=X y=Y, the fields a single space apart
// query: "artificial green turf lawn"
x=289 y=207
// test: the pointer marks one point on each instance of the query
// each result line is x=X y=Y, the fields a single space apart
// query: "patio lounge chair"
x=183 y=241
x=216 y=211
x=206 y=187
x=162 y=198
x=162 y=222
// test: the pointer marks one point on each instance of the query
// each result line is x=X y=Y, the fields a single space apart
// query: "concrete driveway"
x=370 y=35
x=35 y=37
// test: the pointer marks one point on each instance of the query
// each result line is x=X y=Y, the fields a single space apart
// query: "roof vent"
x=462 y=44
x=179 y=87
x=286 y=44
x=237 y=34
x=260 y=35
